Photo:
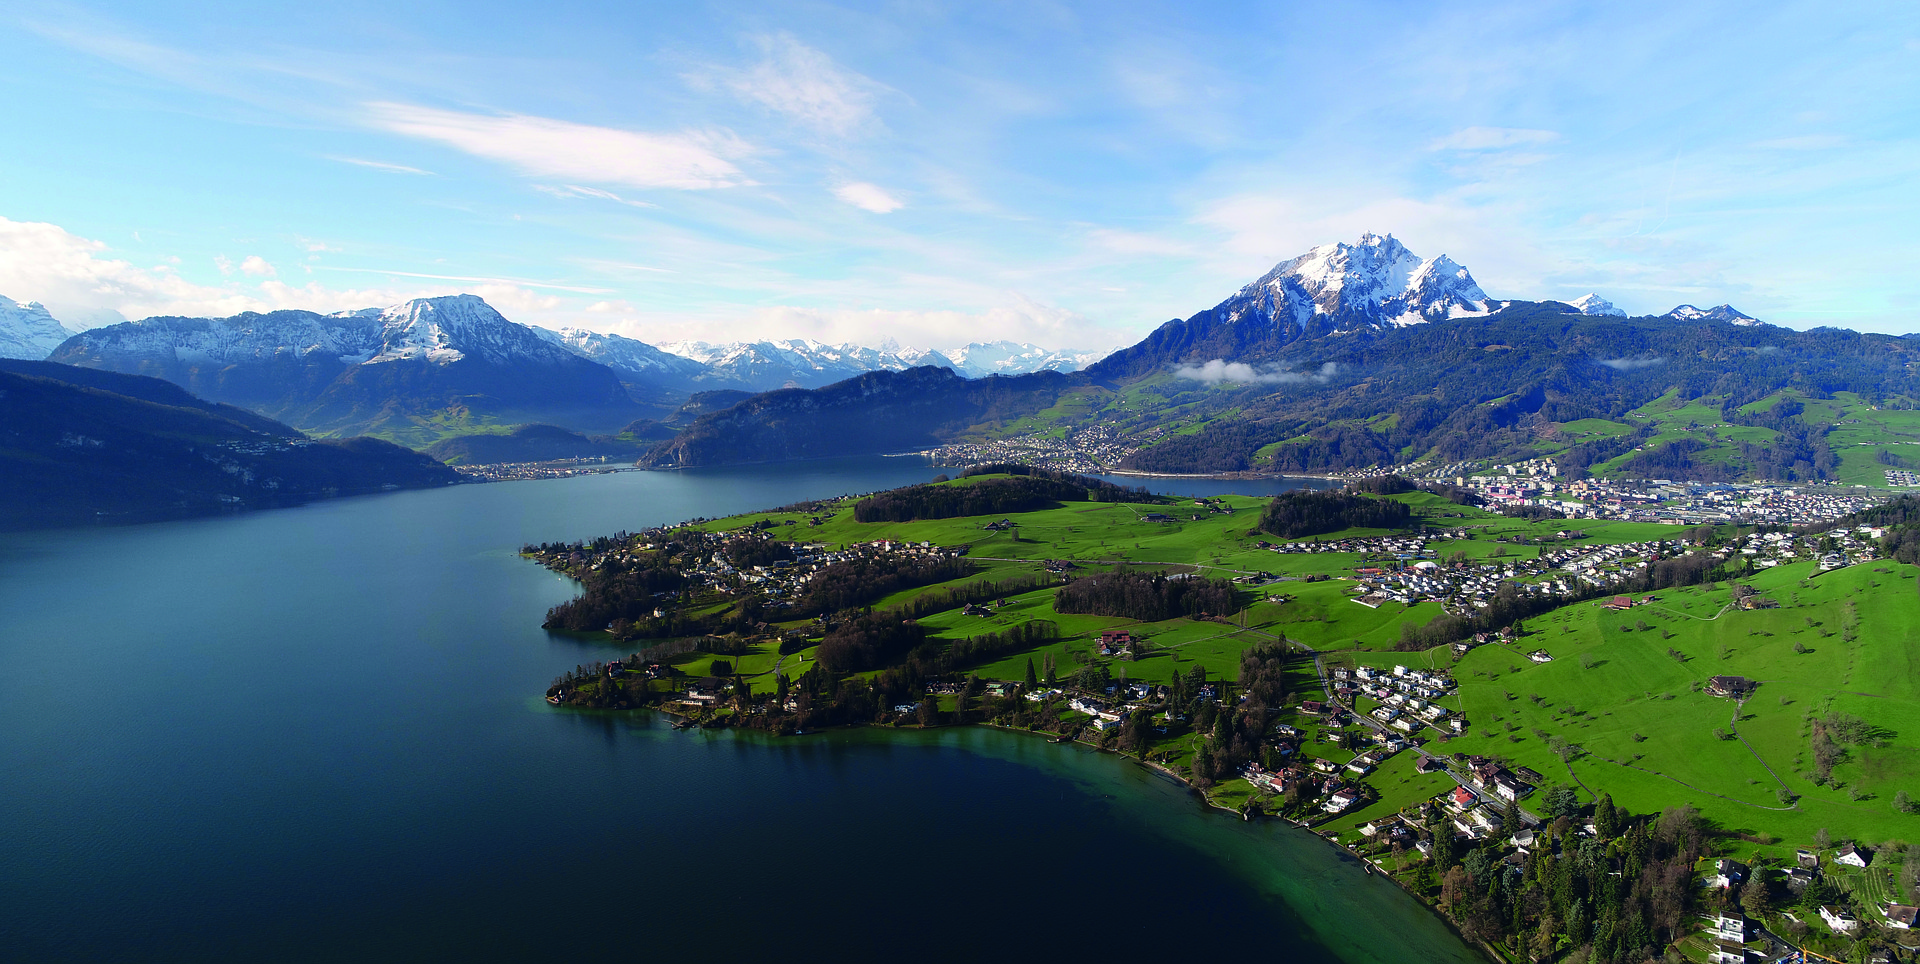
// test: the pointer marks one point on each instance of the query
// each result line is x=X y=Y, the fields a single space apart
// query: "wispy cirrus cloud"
x=381 y=166
x=800 y=82
x=565 y=191
x=1492 y=139
x=868 y=197
x=545 y=147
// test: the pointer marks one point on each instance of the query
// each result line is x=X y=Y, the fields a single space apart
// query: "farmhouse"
x=1852 y=856
x=1900 y=916
x=1735 y=687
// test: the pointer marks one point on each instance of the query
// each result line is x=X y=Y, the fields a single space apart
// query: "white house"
x=1839 y=919
x=1852 y=856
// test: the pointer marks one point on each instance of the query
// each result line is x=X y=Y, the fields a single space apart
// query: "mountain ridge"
x=78 y=446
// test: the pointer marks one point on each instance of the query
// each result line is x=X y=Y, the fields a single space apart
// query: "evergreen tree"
x=1033 y=679
x=1510 y=817
x=1606 y=819
x=929 y=709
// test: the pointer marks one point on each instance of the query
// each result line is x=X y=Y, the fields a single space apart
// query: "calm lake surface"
x=317 y=734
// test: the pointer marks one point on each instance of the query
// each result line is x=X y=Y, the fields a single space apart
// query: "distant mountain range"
x=79 y=446
x=435 y=369
x=1358 y=355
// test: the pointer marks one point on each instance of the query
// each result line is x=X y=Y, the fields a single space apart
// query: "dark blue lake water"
x=316 y=734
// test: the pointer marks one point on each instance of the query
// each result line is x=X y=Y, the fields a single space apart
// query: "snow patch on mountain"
x=1374 y=282
x=1593 y=304
x=28 y=330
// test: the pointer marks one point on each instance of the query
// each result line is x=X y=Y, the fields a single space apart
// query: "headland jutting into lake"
x=1329 y=658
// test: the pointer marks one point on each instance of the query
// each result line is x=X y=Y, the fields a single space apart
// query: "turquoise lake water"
x=316 y=734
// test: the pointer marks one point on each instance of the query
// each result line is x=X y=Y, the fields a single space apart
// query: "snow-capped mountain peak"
x=980 y=359
x=1374 y=281
x=1727 y=313
x=447 y=329
x=28 y=330
x=1593 y=304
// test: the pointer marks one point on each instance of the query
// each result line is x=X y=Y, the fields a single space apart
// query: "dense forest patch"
x=1305 y=513
x=1146 y=596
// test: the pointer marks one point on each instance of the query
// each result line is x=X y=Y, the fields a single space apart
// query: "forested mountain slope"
x=76 y=446
x=877 y=412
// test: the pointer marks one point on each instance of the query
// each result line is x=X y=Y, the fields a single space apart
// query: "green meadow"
x=1621 y=708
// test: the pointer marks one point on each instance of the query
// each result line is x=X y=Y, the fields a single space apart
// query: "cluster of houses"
x=1849 y=545
x=1406 y=547
x=1091 y=449
x=1465 y=586
x=783 y=579
x=1322 y=784
x=1409 y=699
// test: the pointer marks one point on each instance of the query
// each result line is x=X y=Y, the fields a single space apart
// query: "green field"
x=1636 y=718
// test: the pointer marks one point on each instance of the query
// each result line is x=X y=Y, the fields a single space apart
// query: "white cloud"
x=256 y=266
x=1492 y=138
x=867 y=197
x=1218 y=370
x=805 y=84
x=382 y=166
x=224 y=263
x=83 y=286
x=565 y=191
x=544 y=147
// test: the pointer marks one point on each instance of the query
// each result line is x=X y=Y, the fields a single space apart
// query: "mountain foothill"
x=1348 y=356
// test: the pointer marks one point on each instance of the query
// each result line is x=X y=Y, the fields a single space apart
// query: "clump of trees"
x=1624 y=895
x=980 y=649
x=1098 y=490
x=869 y=641
x=622 y=593
x=857 y=582
x=1383 y=485
x=1307 y=513
x=1146 y=596
x=988 y=497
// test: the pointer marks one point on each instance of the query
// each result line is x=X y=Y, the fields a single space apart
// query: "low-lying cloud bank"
x=1629 y=364
x=1219 y=370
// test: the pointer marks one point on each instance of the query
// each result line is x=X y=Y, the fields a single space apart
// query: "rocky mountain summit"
x=28 y=331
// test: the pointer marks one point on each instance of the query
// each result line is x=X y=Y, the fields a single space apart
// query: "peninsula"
x=1616 y=738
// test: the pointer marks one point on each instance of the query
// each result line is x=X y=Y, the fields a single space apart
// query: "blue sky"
x=936 y=173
